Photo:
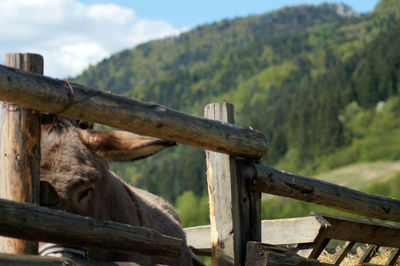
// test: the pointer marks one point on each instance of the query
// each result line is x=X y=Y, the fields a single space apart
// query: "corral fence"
x=235 y=181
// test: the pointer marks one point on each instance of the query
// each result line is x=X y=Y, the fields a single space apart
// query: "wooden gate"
x=235 y=181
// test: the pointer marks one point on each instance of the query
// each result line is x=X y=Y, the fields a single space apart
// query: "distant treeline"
x=307 y=77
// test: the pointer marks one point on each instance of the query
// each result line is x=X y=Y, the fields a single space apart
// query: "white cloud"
x=71 y=35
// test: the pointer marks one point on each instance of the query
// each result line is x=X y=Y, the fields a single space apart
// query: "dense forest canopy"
x=321 y=82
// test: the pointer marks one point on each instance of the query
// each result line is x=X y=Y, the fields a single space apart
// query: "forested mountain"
x=321 y=82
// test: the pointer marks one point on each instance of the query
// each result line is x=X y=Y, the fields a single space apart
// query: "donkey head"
x=73 y=161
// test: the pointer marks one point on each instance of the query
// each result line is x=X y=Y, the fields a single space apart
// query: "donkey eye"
x=85 y=195
x=83 y=125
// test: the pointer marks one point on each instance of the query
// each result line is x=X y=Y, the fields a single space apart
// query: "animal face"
x=73 y=162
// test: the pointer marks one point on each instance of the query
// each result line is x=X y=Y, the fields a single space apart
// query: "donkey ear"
x=120 y=145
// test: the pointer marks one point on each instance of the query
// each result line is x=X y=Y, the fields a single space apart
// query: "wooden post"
x=250 y=204
x=224 y=202
x=20 y=152
x=234 y=212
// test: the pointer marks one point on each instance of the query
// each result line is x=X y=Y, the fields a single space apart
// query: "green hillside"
x=361 y=175
x=188 y=71
x=321 y=82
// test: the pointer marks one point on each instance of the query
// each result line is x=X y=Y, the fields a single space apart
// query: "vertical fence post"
x=20 y=152
x=250 y=204
x=227 y=240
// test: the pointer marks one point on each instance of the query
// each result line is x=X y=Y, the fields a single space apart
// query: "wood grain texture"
x=361 y=231
x=29 y=222
x=20 y=152
x=368 y=254
x=275 y=232
x=26 y=260
x=272 y=181
x=223 y=187
x=199 y=237
x=259 y=254
x=56 y=96
x=394 y=255
x=249 y=206
x=343 y=252
x=313 y=232
x=292 y=231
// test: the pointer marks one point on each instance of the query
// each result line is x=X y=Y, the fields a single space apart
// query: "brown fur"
x=87 y=187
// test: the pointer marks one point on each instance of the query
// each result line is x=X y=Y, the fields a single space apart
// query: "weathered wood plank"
x=313 y=250
x=223 y=187
x=79 y=102
x=394 y=255
x=198 y=237
x=249 y=206
x=343 y=252
x=307 y=231
x=274 y=232
x=361 y=231
x=368 y=254
x=292 y=230
x=29 y=222
x=318 y=247
x=259 y=254
x=20 y=152
x=298 y=187
x=27 y=260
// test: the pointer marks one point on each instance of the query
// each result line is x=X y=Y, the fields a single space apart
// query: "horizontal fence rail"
x=286 y=231
x=29 y=222
x=308 y=230
x=29 y=260
x=78 y=102
x=269 y=180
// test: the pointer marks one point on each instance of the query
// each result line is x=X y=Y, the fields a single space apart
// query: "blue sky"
x=186 y=13
x=73 y=34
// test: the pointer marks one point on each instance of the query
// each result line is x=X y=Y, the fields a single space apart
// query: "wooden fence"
x=235 y=180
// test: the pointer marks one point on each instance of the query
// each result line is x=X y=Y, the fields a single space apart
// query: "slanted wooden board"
x=78 y=102
x=361 y=231
x=368 y=254
x=353 y=230
x=394 y=255
x=259 y=254
x=343 y=252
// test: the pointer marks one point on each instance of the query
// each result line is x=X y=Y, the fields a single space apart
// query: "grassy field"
x=360 y=175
